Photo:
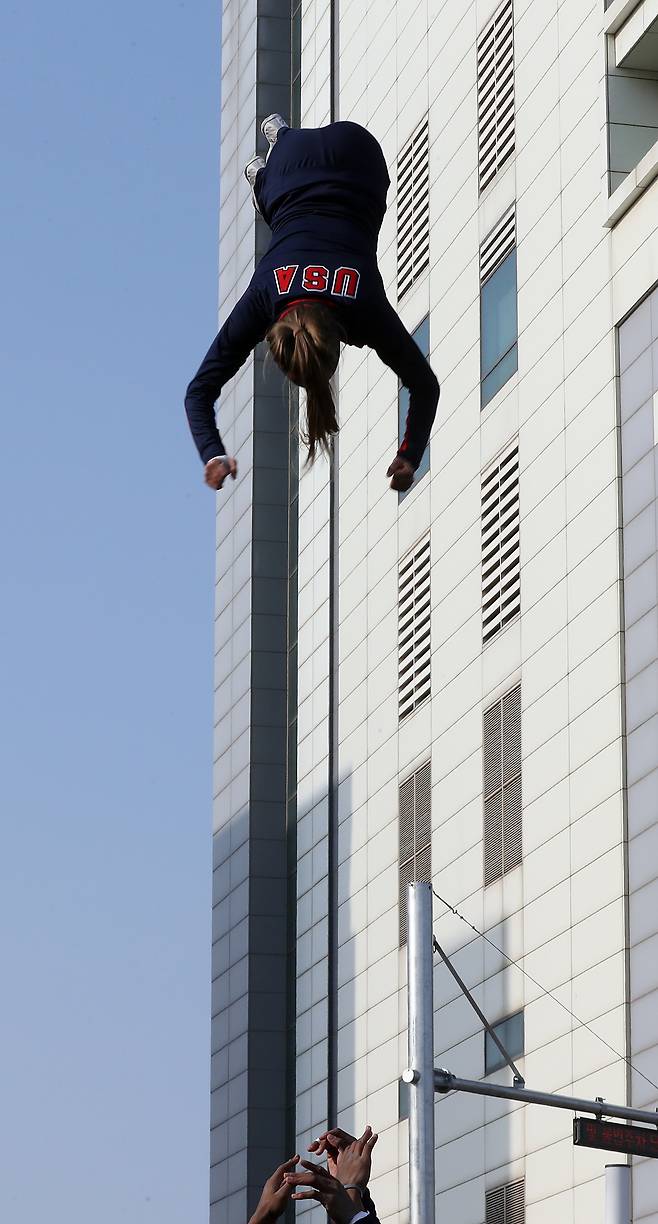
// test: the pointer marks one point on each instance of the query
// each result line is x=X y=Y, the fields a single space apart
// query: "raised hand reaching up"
x=329 y=1144
x=276 y=1193
x=354 y=1161
x=325 y=1189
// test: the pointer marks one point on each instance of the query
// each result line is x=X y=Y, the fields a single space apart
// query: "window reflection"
x=498 y=329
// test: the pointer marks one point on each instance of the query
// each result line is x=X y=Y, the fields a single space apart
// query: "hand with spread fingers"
x=323 y=1189
x=330 y=1144
x=354 y=1160
x=348 y=1158
x=276 y=1193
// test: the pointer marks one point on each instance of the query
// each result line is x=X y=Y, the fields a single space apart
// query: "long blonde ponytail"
x=306 y=346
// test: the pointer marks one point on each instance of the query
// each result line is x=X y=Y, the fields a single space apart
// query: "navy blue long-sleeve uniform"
x=369 y=1206
x=323 y=194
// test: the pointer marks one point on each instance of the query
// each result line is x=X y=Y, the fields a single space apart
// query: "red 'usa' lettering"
x=346 y=282
x=316 y=279
x=285 y=276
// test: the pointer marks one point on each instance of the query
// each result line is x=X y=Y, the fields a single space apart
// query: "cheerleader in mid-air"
x=323 y=192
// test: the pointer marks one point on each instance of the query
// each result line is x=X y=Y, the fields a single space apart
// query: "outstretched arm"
x=398 y=350
x=275 y=1196
x=242 y=331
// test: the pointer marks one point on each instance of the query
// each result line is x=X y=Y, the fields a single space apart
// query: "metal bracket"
x=519 y=1081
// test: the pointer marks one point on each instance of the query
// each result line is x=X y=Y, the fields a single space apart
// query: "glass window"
x=498 y=328
x=510 y=1032
x=422 y=337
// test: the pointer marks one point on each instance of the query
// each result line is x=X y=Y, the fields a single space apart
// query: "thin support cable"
x=543 y=989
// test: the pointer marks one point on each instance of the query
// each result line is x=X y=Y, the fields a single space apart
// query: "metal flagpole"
x=420 y=1074
x=617 y=1194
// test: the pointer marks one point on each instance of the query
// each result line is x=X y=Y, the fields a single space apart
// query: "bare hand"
x=331 y=1143
x=326 y=1190
x=218 y=469
x=402 y=474
x=276 y=1192
x=354 y=1161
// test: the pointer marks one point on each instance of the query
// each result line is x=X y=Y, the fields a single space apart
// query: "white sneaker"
x=250 y=171
x=271 y=127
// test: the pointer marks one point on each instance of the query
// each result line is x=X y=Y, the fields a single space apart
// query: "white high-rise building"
x=461 y=684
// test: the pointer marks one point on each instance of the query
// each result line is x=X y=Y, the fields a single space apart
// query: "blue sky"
x=109 y=257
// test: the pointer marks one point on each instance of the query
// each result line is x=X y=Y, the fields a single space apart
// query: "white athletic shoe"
x=271 y=127
x=250 y=171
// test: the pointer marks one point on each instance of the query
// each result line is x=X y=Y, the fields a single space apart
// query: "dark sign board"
x=615 y=1137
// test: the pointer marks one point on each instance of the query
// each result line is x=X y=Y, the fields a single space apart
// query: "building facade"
x=461 y=684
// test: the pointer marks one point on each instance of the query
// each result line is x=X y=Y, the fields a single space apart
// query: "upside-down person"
x=323 y=192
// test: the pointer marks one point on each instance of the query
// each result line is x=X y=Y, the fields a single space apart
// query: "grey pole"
x=420 y=1074
x=617 y=1194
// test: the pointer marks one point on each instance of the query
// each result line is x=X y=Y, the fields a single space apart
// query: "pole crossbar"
x=445 y=1081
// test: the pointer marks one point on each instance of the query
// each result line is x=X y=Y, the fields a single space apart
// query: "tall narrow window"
x=414 y=619
x=506 y=1204
x=422 y=337
x=498 y=310
x=413 y=208
x=415 y=826
x=501 y=544
x=495 y=72
x=503 y=843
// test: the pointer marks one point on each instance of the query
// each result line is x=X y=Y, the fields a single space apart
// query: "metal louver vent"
x=506 y=1204
x=492 y=755
x=424 y=865
x=423 y=806
x=495 y=73
x=413 y=184
x=501 y=556
x=515 y=1203
x=511 y=722
x=407 y=876
x=495 y=1206
x=406 y=815
x=415 y=825
x=503 y=841
x=493 y=838
x=498 y=244
x=414 y=617
x=512 y=825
